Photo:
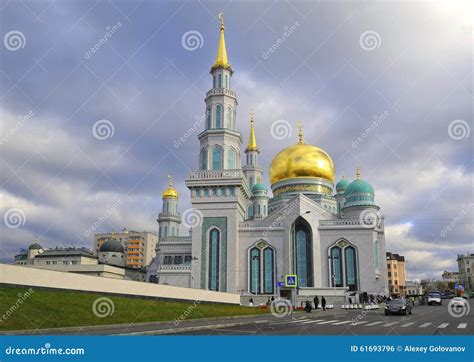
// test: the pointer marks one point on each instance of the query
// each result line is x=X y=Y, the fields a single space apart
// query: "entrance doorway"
x=285 y=293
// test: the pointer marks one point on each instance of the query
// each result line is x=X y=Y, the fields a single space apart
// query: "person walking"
x=323 y=303
x=316 y=302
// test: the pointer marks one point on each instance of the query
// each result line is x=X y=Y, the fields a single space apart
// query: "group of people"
x=308 y=307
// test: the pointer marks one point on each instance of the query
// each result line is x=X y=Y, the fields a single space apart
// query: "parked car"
x=398 y=306
x=435 y=298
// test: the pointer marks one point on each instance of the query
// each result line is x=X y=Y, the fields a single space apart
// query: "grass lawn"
x=52 y=309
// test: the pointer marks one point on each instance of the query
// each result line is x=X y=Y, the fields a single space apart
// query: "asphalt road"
x=424 y=320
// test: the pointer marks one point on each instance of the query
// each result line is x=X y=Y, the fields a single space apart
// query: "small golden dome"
x=301 y=160
x=170 y=191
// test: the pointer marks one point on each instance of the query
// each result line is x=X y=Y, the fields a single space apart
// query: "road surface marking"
x=373 y=324
x=355 y=324
x=338 y=323
x=443 y=325
x=424 y=325
x=300 y=320
x=408 y=324
x=390 y=324
x=326 y=322
x=462 y=325
x=313 y=321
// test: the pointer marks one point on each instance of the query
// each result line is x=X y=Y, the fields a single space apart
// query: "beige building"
x=396 y=274
x=413 y=288
x=466 y=272
x=139 y=247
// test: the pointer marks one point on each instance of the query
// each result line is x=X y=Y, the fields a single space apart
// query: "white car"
x=458 y=302
x=434 y=298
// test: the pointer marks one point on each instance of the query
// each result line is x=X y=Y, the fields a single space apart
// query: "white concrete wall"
x=20 y=275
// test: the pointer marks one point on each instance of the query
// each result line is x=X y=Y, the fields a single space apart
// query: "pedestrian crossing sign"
x=291 y=280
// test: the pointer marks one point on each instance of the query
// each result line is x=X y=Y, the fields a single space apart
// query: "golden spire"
x=170 y=191
x=300 y=133
x=357 y=172
x=221 y=57
x=252 y=144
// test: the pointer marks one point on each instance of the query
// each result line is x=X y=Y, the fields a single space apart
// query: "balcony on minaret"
x=214 y=174
x=221 y=92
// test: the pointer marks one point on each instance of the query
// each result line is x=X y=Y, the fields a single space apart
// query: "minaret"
x=252 y=171
x=220 y=142
x=169 y=219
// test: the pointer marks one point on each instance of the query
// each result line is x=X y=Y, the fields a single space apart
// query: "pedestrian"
x=323 y=303
x=250 y=302
x=273 y=299
x=316 y=302
x=308 y=306
x=268 y=301
x=350 y=300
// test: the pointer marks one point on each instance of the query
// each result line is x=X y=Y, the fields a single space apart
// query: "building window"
x=213 y=81
x=389 y=274
x=208 y=118
x=197 y=192
x=226 y=81
x=166 y=232
x=268 y=266
x=228 y=118
x=255 y=270
x=302 y=246
x=250 y=212
x=220 y=80
x=168 y=260
x=214 y=241
x=336 y=266
x=351 y=267
x=218 y=116
x=231 y=159
x=203 y=159
x=217 y=158
x=388 y=266
x=178 y=259
x=376 y=254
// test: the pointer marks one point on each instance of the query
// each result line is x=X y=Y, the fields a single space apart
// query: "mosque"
x=243 y=241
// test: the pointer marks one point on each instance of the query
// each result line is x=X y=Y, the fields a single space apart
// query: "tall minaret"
x=220 y=142
x=169 y=219
x=252 y=171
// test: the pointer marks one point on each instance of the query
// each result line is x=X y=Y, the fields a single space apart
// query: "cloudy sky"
x=92 y=135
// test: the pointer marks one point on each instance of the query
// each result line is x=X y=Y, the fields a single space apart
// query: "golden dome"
x=170 y=191
x=301 y=160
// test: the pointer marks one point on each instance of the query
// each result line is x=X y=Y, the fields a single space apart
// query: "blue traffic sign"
x=291 y=280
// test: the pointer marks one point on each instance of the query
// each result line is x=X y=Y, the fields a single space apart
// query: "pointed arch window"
x=217 y=158
x=376 y=254
x=203 y=159
x=228 y=118
x=220 y=80
x=351 y=267
x=208 y=118
x=255 y=270
x=226 y=81
x=303 y=252
x=268 y=267
x=336 y=266
x=231 y=159
x=214 y=245
x=218 y=116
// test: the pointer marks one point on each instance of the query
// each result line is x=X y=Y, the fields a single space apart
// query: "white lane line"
x=373 y=324
x=443 y=325
x=407 y=324
x=326 y=322
x=390 y=324
x=313 y=321
x=357 y=323
x=339 y=323
x=300 y=320
x=424 y=325
x=462 y=325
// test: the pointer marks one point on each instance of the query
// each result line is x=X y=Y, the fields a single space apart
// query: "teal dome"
x=359 y=186
x=112 y=246
x=342 y=184
x=259 y=186
x=35 y=246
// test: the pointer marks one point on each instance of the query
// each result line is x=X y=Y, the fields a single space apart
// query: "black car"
x=398 y=306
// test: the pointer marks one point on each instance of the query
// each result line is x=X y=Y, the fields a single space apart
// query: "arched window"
x=268 y=266
x=166 y=232
x=214 y=241
x=255 y=270
x=203 y=159
x=376 y=254
x=228 y=118
x=208 y=116
x=218 y=116
x=213 y=81
x=231 y=159
x=217 y=158
x=336 y=266
x=303 y=252
x=226 y=81
x=351 y=267
x=220 y=80
x=250 y=211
